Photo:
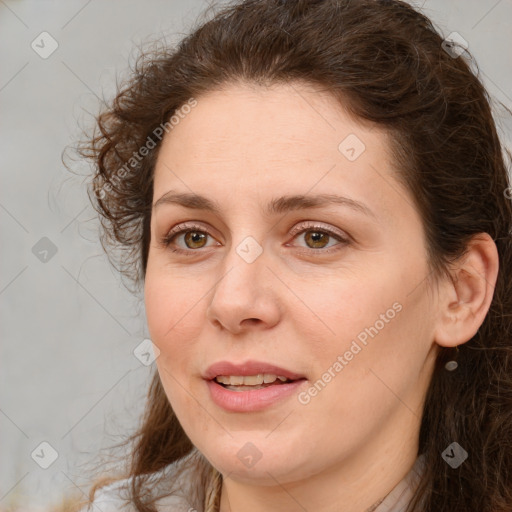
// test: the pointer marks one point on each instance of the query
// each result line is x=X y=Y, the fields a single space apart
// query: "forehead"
x=290 y=137
x=292 y=117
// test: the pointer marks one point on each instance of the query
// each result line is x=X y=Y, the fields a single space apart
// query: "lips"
x=248 y=399
x=248 y=368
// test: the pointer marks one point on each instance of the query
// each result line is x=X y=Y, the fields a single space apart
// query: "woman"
x=315 y=199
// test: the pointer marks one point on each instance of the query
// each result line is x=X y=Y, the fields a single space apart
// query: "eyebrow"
x=275 y=206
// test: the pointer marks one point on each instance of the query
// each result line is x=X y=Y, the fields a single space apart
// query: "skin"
x=300 y=305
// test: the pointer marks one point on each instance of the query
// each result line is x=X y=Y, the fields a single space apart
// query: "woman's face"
x=297 y=249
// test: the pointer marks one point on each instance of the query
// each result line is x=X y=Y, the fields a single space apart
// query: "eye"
x=317 y=237
x=193 y=236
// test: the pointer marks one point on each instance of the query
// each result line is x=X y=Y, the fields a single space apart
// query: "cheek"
x=175 y=319
x=373 y=323
x=337 y=310
x=171 y=304
x=173 y=325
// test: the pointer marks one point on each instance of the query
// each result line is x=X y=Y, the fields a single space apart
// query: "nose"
x=244 y=296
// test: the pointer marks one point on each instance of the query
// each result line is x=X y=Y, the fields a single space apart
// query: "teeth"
x=249 y=380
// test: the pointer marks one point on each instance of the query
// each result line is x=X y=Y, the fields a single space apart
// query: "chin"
x=257 y=462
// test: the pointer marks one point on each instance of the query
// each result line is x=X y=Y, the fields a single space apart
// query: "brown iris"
x=195 y=237
x=317 y=237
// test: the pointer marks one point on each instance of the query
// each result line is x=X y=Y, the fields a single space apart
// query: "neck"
x=366 y=483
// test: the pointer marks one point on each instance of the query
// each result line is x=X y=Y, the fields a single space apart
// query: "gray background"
x=68 y=373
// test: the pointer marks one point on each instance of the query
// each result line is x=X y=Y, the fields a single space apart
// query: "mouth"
x=250 y=382
x=250 y=386
x=249 y=373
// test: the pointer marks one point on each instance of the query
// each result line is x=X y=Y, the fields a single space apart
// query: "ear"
x=465 y=300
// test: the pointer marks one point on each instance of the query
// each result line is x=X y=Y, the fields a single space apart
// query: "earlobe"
x=464 y=302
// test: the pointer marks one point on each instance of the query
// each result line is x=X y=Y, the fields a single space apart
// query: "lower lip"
x=249 y=401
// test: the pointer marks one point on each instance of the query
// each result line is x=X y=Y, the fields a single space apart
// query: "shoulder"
x=179 y=478
x=112 y=498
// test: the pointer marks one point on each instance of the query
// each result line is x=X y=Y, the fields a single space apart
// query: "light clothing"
x=115 y=497
x=400 y=496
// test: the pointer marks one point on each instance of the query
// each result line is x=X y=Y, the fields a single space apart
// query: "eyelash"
x=303 y=227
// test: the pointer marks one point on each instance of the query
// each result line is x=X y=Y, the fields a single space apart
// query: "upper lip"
x=248 y=368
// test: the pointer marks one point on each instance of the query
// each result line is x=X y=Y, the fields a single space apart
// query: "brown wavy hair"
x=387 y=64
